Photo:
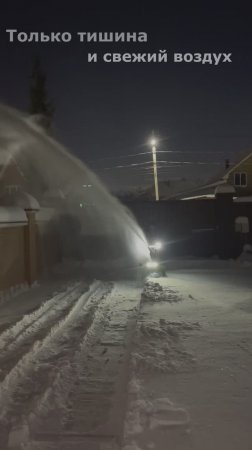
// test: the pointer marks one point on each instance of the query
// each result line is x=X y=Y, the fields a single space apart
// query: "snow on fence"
x=12 y=215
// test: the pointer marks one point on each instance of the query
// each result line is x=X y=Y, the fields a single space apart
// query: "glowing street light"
x=153 y=143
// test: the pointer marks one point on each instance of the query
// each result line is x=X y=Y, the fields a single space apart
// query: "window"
x=11 y=188
x=242 y=224
x=240 y=179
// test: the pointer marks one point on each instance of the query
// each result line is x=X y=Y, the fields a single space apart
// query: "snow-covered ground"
x=64 y=368
x=190 y=384
x=111 y=366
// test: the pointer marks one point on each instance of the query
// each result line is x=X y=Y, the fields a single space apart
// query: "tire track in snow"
x=84 y=407
x=15 y=341
x=55 y=398
x=36 y=370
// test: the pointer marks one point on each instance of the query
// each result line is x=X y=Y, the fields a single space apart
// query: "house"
x=19 y=179
x=11 y=177
x=29 y=241
x=239 y=176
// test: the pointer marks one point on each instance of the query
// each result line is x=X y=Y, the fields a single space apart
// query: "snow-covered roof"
x=12 y=214
x=6 y=158
x=200 y=197
x=200 y=190
x=225 y=189
x=235 y=166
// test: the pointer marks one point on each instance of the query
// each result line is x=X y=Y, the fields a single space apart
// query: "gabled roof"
x=6 y=158
x=235 y=166
x=200 y=190
x=215 y=181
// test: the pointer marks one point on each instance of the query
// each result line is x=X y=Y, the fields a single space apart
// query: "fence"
x=202 y=227
x=27 y=248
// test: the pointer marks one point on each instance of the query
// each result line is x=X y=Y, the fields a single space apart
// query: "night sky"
x=107 y=111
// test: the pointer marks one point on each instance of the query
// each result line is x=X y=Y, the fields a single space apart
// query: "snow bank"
x=159 y=348
x=154 y=292
x=246 y=255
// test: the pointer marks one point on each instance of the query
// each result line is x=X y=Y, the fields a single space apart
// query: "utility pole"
x=154 y=157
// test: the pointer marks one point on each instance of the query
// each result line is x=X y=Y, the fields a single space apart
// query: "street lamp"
x=153 y=143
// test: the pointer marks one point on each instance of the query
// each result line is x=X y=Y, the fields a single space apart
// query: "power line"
x=127 y=165
x=132 y=155
x=166 y=164
x=212 y=152
x=119 y=156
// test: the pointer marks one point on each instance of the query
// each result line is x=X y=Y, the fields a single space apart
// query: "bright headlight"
x=152 y=264
x=156 y=246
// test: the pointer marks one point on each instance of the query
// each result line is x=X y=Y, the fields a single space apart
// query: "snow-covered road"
x=109 y=366
x=191 y=371
x=64 y=369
